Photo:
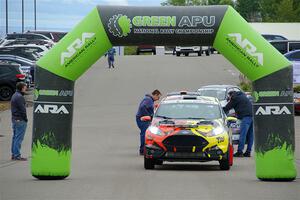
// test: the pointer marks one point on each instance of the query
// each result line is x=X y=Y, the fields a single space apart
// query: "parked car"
x=31 y=52
x=27 y=66
x=188 y=128
x=293 y=55
x=55 y=36
x=146 y=48
x=10 y=74
x=23 y=41
x=285 y=46
x=186 y=50
x=272 y=37
x=26 y=36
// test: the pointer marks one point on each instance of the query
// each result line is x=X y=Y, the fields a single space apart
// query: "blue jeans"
x=246 y=133
x=111 y=62
x=143 y=127
x=19 y=129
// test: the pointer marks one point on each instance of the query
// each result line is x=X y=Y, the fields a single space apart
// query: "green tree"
x=227 y=2
x=184 y=2
x=280 y=10
x=286 y=11
x=249 y=9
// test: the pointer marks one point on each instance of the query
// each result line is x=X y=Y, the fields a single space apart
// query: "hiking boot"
x=19 y=159
x=247 y=154
x=238 y=154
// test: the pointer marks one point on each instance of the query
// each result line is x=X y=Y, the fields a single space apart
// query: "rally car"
x=188 y=127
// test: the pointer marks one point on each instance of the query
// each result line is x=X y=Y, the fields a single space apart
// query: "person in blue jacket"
x=146 y=108
x=111 y=57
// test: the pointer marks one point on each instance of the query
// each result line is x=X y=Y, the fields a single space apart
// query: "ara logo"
x=248 y=46
x=53 y=109
x=273 y=110
x=74 y=46
x=119 y=25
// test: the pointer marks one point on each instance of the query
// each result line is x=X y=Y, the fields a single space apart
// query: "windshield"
x=188 y=111
x=220 y=94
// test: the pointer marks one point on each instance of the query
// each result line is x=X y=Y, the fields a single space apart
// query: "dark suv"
x=25 y=52
x=9 y=76
x=285 y=46
x=55 y=36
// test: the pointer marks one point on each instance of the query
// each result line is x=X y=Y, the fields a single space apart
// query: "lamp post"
x=34 y=14
x=6 y=15
x=22 y=16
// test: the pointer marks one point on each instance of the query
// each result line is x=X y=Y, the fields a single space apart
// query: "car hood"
x=171 y=125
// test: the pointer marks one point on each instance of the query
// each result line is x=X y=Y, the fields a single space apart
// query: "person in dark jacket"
x=19 y=121
x=111 y=57
x=243 y=108
x=146 y=108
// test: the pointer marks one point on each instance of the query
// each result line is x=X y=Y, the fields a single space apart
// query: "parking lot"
x=105 y=163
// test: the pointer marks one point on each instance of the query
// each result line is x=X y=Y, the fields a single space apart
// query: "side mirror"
x=145 y=118
x=231 y=119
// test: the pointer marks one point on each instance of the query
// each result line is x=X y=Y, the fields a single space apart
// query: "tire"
x=149 y=163
x=207 y=53
x=5 y=93
x=186 y=54
x=199 y=53
x=138 y=53
x=159 y=162
x=154 y=52
x=178 y=54
x=225 y=163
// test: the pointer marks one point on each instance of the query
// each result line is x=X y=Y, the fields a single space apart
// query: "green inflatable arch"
x=218 y=26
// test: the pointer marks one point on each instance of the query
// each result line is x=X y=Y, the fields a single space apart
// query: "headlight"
x=296 y=100
x=154 y=130
x=217 y=131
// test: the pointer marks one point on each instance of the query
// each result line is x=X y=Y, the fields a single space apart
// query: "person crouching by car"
x=243 y=108
x=146 y=110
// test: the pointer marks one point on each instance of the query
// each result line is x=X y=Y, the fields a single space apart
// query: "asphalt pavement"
x=105 y=161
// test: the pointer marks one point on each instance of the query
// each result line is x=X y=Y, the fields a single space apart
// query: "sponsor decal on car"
x=121 y=25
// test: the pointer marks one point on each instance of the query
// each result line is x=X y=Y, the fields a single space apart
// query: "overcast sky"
x=57 y=14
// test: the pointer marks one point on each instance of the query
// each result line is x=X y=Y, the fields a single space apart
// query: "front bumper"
x=156 y=152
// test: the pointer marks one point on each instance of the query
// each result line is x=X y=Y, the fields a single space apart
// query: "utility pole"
x=6 y=17
x=34 y=14
x=22 y=16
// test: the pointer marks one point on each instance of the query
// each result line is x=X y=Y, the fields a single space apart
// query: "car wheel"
x=207 y=53
x=177 y=54
x=225 y=162
x=5 y=93
x=159 y=162
x=149 y=163
x=186 y=54
x=137 y=53
x=154 y=52
x=199 y=53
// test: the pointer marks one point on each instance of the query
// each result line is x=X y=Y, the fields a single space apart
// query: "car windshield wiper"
x=196 y=118
x=164 y=117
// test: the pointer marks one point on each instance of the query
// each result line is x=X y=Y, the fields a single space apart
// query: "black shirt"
x=241 y=105
x=18 y=107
